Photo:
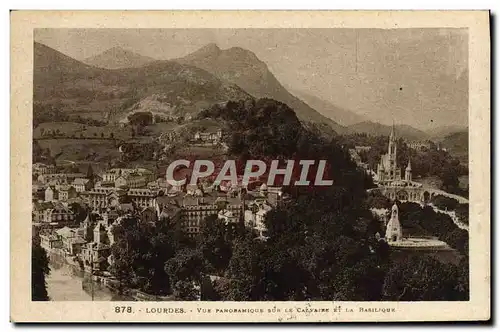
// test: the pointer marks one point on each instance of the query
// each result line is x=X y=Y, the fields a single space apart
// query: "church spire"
x=393 y=131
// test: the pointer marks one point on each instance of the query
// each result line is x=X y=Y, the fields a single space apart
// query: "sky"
x=412 y=76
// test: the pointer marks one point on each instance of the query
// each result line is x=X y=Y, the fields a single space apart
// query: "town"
x=204 y=178
x=74 y=213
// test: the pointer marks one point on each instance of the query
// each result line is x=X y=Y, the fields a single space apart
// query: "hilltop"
x=243 y=68
x=117 y=57
x=71 y=87
x=377 y=129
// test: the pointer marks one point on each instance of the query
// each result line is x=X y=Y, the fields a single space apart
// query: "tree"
x=185 y=291
x=444 y=202
x=424 y=222
x=111 y=135
x=79 y=211
x=39 y=271
x=214 y=244
x=140 y=252
x=244 y=274
x=422 y=278
x=186 y=265
x=141 y=119
x=462 y=211
x=377 y=200
x=450 y=180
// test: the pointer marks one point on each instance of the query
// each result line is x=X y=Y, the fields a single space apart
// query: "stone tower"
x=408 y=171
x=381 y=171
x=393 y=232
x=99 y=233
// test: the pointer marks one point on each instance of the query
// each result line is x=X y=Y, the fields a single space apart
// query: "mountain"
x=374 y=128
x=69 y=86
x=443 y=131
x=242 y=67
x=116 y=58
x=338 y=114
x=50 y=65
x=457 y=144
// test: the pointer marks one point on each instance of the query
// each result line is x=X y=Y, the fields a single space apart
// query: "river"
x=66 y=284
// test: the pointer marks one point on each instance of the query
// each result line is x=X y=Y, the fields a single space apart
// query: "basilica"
x=389 y=177
x=387 y=169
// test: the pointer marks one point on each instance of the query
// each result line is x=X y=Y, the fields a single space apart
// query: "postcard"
x=250 y=166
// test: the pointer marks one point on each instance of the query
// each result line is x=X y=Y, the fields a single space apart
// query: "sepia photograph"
x=252 y=165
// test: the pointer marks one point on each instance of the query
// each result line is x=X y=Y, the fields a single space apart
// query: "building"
x=59 y=214
x=255 y=216
x=195 y=208
x=95 y=256
x=167 y=207
x=42 y=169
x=360 y=149
x=131 y=180
x=419 y=145
x=394 y=231
x=213 y=137
x=408 y=172
x=81 y=184
x=50 y=241
x=158 y=184
x=99 y=197
x=105 y=197
x=113 y=174
x=390 y=181
x=72 y=243
x=38 y=211
x=168 y=137
x=142 y=197
x=38 y=190
x=66 y=192
x=387 y=169
x=60 y=178
x=227 y=216
x=51 y=194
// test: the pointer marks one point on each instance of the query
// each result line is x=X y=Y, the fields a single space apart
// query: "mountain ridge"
x=443 y=131
x=71 y=86
x=402 y=130
x=243 y=68
x=338 y=114
x=118 y=58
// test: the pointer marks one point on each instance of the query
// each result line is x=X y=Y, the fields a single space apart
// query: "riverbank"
x=68 y=282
